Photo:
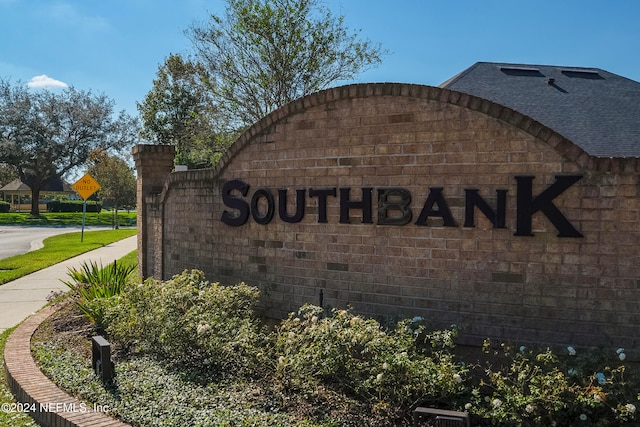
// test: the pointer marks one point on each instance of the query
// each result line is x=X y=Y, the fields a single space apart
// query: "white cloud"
x=44 y=81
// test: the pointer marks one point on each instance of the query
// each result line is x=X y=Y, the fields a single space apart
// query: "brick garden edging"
x=51 y=407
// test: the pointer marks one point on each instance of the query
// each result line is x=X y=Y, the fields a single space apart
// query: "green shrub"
x=536 y=388
x=4 y=206
x=94 y=286
x=324 y=367
x=73 y=206
x=190 y=321
x=357 y=356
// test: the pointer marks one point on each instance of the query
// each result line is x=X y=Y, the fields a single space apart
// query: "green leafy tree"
x=116 y=178
x=7 y=174
x=265 y=53
x=45 y=134
x=180 y=111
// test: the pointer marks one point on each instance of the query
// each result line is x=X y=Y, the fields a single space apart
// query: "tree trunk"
x=35 y=201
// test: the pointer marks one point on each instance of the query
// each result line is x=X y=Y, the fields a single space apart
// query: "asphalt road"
x=16 y=240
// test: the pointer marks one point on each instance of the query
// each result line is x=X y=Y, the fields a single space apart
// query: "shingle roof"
x=16 y=185
x=597 y=110
x=55 y=185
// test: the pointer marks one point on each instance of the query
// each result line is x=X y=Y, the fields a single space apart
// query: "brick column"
x=154 y=163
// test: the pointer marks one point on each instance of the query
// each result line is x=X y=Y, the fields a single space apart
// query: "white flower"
x=522 y=348
x=620 y=350
x=631 y=408
x=457 y=378
x=583 y=417
x=530 y=408
x=496 y=403
x=571 y=350
x=417 y=319
x=385 y=366
x=597 y=398
x=202 y=328
x=467 y=406
x=622 y=356
x=379 y=377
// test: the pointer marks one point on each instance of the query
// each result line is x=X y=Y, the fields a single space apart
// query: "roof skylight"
x=582 y=74
x=521 y=71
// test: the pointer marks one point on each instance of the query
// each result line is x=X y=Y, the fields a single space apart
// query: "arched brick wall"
x=493 y=193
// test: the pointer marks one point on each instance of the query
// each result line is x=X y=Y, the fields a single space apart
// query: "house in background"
x=597 y=110
x=18 y=194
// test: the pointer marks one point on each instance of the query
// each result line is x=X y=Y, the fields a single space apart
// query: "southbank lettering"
x=394 y=205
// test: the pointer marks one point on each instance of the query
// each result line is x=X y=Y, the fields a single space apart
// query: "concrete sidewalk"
x=22 y=297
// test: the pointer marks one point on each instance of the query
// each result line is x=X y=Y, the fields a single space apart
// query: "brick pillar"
x=154 y=163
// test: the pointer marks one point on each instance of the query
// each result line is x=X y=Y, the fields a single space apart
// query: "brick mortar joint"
x=24 y=370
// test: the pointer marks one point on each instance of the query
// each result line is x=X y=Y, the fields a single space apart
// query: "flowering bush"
x=542 y=388
x=351 y=367
x=174 y=340
x=357 y=356
x=190 y=321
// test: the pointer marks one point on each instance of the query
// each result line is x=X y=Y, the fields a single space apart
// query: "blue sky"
x=115 y=46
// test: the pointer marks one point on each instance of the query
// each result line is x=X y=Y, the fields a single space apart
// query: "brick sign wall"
x=404 y=200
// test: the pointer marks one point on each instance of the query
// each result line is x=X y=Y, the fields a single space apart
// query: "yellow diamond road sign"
x=86 y=186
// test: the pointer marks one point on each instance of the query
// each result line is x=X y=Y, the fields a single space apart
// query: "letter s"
x=235 y=203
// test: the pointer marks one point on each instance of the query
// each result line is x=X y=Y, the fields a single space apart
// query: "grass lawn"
x=103 y=218
x=57 y=249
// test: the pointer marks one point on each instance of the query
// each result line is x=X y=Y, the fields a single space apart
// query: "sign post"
x=85 y=187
